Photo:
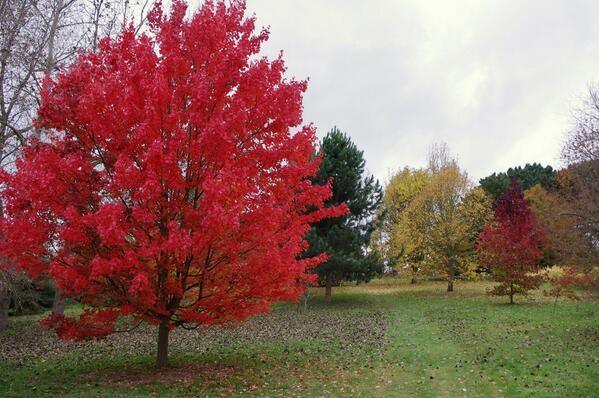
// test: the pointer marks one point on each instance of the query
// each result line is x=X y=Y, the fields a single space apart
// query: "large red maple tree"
x=174 y=185
x=509 y=245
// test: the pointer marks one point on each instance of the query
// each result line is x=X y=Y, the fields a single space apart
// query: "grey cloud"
x=493 y=79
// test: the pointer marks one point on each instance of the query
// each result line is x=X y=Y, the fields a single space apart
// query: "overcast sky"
x=496 y=80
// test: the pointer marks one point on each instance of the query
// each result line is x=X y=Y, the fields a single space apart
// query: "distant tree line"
x=529 y=176
x=435 y=222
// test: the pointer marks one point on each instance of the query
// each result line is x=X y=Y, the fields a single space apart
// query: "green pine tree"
x=346 y=238
x=529 y=176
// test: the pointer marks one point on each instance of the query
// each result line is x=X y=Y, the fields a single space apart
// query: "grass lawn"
x=383 y=339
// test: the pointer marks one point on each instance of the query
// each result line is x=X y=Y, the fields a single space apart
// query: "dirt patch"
x=140 y=375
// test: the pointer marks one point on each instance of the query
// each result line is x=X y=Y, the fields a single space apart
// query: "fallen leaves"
x=29 y=341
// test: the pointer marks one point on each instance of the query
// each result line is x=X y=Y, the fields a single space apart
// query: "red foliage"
x=172 y=187
x=571 y=283
x=509 y=245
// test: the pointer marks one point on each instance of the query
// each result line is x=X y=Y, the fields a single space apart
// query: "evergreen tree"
x=345 y=239
x=529 y=176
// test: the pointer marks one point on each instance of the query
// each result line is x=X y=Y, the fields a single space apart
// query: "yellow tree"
x=477 y=210
x=407 y=244
x=431 y=218
x=394 y=237
x=447 y=216
x=437 y=217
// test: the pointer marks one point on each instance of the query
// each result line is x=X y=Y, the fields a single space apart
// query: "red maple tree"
x=174 y=185
x=509 y=245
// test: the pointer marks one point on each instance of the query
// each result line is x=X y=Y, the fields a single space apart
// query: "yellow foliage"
x=554 y=272
x=432 y=220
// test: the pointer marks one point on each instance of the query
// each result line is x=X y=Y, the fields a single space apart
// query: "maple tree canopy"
x=173 y=186
x=510 y=244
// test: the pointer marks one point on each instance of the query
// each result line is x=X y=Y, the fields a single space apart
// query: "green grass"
x=383 y=339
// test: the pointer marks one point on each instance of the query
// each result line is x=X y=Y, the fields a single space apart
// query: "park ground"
x=387 y=338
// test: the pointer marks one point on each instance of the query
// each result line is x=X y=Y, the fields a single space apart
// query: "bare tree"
x=583 y=139
x=22 y=43
x=105 y=18
x=440 y=158
x=579 y=182
x=37 y=39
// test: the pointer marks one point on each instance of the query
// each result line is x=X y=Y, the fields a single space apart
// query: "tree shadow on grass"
x=254 y=369
x=344 y=301
x=207 y=373
x=143 y=374
x=523 y=303
x=136 y=376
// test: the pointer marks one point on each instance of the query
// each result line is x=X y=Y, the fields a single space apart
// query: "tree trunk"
x=59 y=303
x=4 y=296
x=302 y=304
x=450 y=282
x=414 y=273
x=329 y=287
x=451 y=268
x=511 y=293
x=305 y=299
x=4 y=307
x=162 y=348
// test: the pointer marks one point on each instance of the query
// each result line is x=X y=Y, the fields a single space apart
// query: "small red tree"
x=570 y=282
x=172 y=189
x=509 y=245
